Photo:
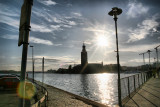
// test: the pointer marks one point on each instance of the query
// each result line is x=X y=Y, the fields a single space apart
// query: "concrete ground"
x=61 y=98
x=147 y=96
x=8 y=99
x=56 y=98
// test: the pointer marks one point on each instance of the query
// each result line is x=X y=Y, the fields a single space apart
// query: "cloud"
x=14 y=37
x=56 y=27
x=145 y=28
x=40 y=41
x=45 y=28
x=9 y=21
x=72 y=23
x=47 y=2
x=136 y=9
x=40 y=28
x=7 y=11
x=140 y=49
x=55 y=59
x=32 y=40
x=76 y=14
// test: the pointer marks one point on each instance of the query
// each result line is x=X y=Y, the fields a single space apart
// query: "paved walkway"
x=8 y=99
x=61 y=98
x=147 y=96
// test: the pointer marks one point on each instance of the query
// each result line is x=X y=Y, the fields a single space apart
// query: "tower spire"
x=84 y=59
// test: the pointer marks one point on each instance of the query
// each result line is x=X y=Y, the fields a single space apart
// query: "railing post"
x=144 y=77
x=45 y=101
x=128 y=87
x=138 y=81
x=134 y=83
x=141 y=78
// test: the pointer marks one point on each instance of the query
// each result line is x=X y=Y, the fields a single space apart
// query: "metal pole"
x=157 y=56
x=142 y=78
x=33 y=69
x=26 y=27
x=128 y=87
x=119 y=82
x=138 y=81
x=143 y=59
x=134 y=83
x=114 y=12
x=32 y=64
x=149 y=59
x=42 y=71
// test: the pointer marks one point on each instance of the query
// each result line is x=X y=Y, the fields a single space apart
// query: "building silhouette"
x=84 y=59
x=88 y=68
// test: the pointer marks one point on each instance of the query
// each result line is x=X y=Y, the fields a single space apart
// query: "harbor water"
x=97 y=87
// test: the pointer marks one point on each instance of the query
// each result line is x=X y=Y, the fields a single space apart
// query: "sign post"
x=24 y=29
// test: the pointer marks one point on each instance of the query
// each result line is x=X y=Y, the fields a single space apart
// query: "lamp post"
x=32 y=63
x=143 y=57
x=42 y=71
x=114 y=12
x=156 y=48
x=24 y=29
x=149 y=52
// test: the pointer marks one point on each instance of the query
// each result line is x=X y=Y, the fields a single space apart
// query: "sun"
x=102 y=41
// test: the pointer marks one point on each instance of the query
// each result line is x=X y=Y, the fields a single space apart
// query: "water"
x=98 y=87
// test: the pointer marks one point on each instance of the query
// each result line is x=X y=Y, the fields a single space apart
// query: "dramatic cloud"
x=40 y=41
x=32 y=39
x=47 y=2
x=136 y=9
x=7 y=11
x=60 y=26
x=9 y=21
x=143 y=29
x=14 y=37
x=40 y=28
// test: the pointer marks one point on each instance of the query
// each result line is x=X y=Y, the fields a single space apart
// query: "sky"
x=59 y=28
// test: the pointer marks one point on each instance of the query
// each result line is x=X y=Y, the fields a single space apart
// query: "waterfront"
x=98 y=87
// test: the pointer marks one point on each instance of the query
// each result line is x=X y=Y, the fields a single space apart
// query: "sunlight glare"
x=102 y=41
x=106 y=89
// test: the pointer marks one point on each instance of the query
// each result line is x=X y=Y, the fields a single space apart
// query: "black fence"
x=131 y=84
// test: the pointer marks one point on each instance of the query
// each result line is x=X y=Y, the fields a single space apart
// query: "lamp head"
x=115 y=11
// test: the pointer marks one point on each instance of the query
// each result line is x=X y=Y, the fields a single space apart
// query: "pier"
x=147 y=96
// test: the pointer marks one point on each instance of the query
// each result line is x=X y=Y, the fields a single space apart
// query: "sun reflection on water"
x=106 y=87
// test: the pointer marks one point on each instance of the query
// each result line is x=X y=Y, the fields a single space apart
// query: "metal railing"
x=43 y=100
x=131 y=84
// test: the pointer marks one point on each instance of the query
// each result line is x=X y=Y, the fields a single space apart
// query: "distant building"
x=88 y=68
x=84 y=60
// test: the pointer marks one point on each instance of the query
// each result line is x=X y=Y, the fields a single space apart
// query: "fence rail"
x=129 y=85
x=43 y=100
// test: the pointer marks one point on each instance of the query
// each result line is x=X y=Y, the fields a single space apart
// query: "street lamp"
x=32 y=63
x=114 y=12
x=143 y=57
x=156 y=48
x=149 y=52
